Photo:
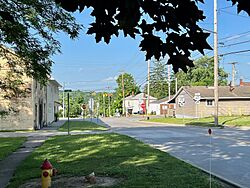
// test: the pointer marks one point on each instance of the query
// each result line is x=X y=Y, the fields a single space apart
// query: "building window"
x=209 y=103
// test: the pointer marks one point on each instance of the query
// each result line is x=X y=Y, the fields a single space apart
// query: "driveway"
x=230 y=147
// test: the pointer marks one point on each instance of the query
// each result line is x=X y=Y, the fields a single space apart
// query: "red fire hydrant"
x=47 y=172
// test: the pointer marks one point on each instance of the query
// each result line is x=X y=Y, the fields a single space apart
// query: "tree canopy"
x=158 y=80
x=28 y=28
x=130 y=88
x=202 y=74
x=167 y=27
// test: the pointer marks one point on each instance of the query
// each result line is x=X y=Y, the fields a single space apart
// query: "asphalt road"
x=230 y=147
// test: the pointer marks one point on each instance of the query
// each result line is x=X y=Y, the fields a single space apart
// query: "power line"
x=236 y=52
x=234 y=44
x=235 y=36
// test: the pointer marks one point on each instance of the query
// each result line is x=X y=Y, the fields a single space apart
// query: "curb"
x=213 y=174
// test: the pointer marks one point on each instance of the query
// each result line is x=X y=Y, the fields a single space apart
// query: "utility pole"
x=103 y=97
x=109 y=94
x=169 y=82
x=233 y=72
x=147 y=110
x=123 y=96
x=216 y=66
x=68 y=113
x=176 y=85
x=63 y=100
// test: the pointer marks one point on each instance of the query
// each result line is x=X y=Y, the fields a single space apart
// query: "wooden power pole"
x=123 y=96
x=147 y=110
x=216 y=66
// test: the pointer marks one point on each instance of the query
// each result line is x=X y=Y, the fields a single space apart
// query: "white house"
x=134 y=104
x=162 y=106
x=52 y=100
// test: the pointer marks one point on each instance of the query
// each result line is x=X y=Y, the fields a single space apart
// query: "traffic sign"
x=181 y=100
x=84 y=106
x=143 y=105
x=197 y=96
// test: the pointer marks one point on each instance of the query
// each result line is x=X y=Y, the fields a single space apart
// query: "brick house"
x=29 y=105
x=232 y=101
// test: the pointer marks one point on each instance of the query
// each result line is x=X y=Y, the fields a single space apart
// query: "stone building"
x=25 y=104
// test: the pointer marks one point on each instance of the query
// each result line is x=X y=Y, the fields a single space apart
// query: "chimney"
x=241 y=82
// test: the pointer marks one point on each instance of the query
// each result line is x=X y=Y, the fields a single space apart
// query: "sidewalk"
x=10 y=163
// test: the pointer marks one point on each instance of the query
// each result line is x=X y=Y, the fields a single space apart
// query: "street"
x=230 y=147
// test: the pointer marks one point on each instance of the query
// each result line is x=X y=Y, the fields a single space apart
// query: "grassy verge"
x=223 y=120
x=81 y=126
x=112 y=155
x=8 y=145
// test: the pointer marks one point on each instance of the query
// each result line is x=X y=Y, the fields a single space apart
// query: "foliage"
x=9 y=145
x=112 y=155
x=130 y=88
x=202 y=74
x=105 y=99
x=13 y=85
x=28 y=28
x=76 y=99
x=81 y=126
x=165 y=27
x=158 y=80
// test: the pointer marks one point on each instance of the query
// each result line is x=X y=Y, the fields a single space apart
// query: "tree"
x=130 y=88
x=170 y=28
x=76 y=100
x=28 y=28
x=202 y=74
x=158 y=80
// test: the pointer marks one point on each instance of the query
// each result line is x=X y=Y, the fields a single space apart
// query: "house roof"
x=54 y=82
x=139 y=96
x=225 y=92
x=165 y=99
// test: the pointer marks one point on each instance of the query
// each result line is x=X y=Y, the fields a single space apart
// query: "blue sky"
x=88 y=66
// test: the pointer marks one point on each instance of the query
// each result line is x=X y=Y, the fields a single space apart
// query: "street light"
x=68 y=90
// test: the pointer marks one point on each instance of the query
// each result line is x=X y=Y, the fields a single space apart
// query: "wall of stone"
x=20 y=118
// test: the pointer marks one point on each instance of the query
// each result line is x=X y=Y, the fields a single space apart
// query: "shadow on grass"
x=202 y=124
x=112 y=155
x=224 y=122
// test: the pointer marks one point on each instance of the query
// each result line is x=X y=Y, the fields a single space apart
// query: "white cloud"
x=110 y=79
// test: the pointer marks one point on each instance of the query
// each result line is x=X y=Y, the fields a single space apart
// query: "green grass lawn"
x=8 y=145
x=112 y=155
x=223 y=120
x=82 y=126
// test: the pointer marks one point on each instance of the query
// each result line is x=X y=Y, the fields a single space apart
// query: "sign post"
x=210 y=160
x=83 y=107
x=143 y=106
x=181 y=102
x=197 y=98
x=68 y=90
x=91 y=107
x=97 y=106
